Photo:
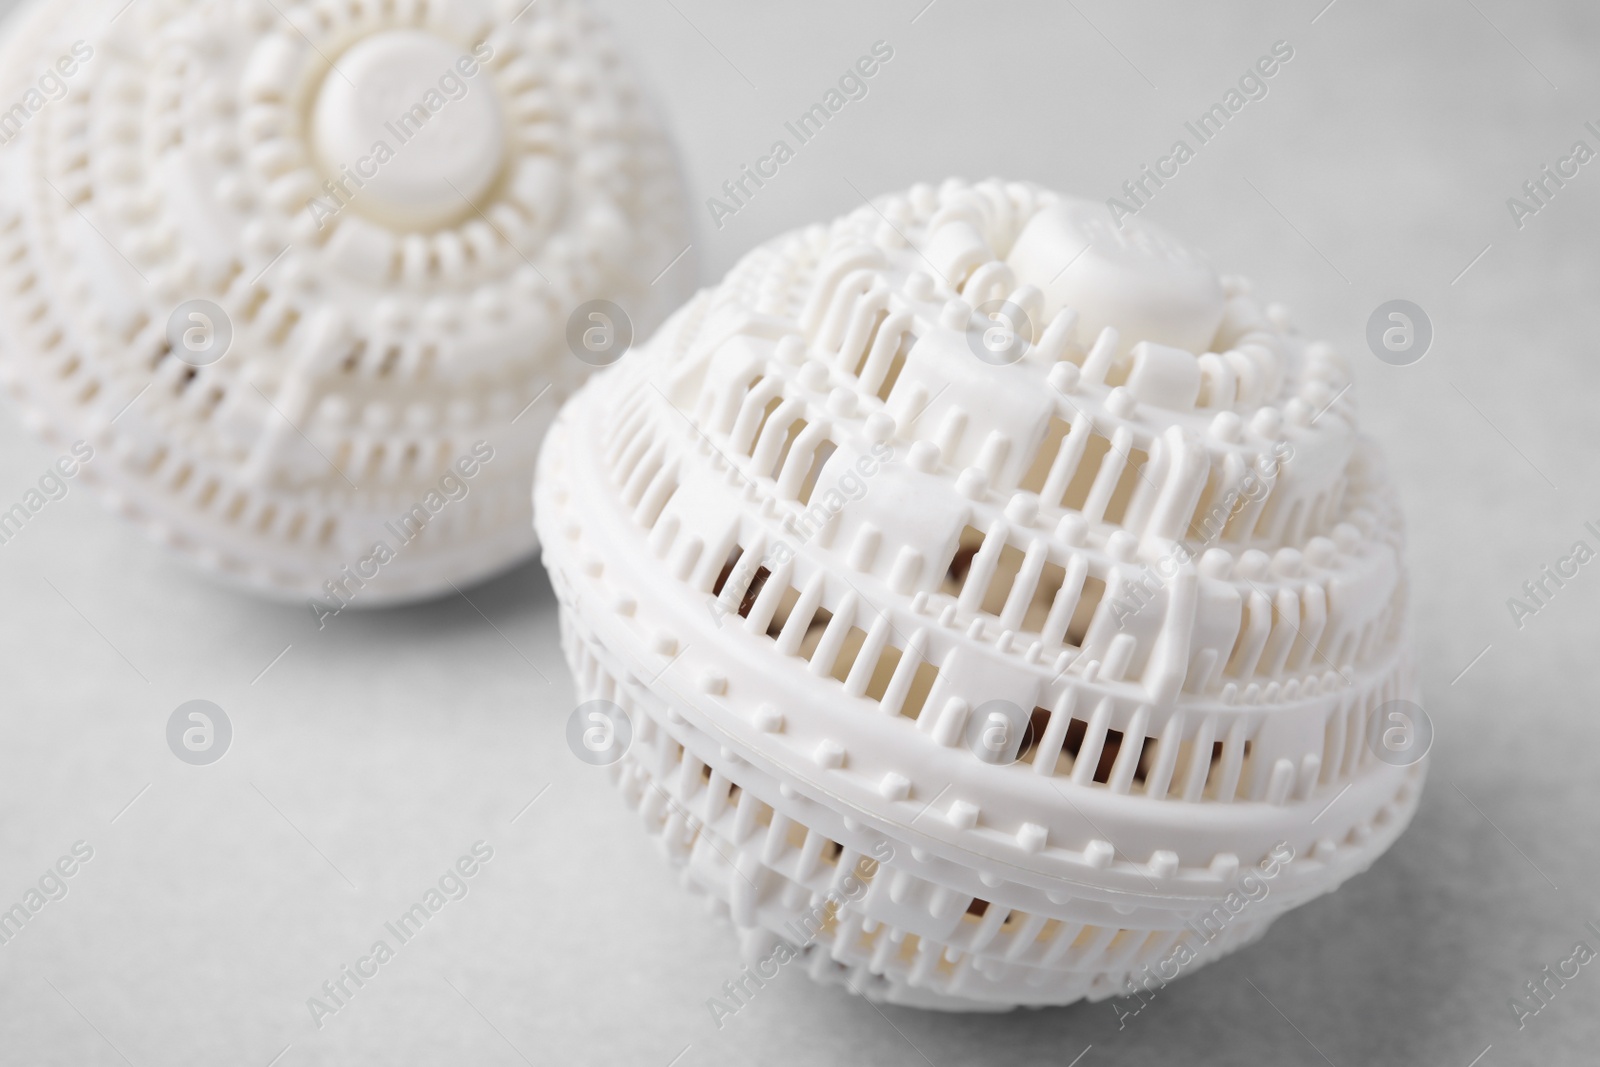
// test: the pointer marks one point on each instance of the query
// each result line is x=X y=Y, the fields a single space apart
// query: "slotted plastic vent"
x=292 y=269
x=1015 y=567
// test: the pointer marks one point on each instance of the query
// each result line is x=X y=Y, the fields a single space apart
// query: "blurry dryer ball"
x=283 y=273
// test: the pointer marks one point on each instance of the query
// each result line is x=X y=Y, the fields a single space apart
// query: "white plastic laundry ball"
x=987 y=605
x=309 y=280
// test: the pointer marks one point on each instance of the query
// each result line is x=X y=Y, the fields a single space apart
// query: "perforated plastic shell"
x=391 y=308
x=1076 y=629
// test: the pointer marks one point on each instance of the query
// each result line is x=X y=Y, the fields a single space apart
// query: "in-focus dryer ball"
x=1000 y=608
x=302 y=276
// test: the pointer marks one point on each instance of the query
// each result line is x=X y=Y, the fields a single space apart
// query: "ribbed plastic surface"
x=395 y=241
x=1077 y=633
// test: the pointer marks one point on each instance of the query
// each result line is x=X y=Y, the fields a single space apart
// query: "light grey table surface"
x=375 y=752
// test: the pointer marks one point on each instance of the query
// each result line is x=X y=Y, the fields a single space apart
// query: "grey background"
x=375 y=752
